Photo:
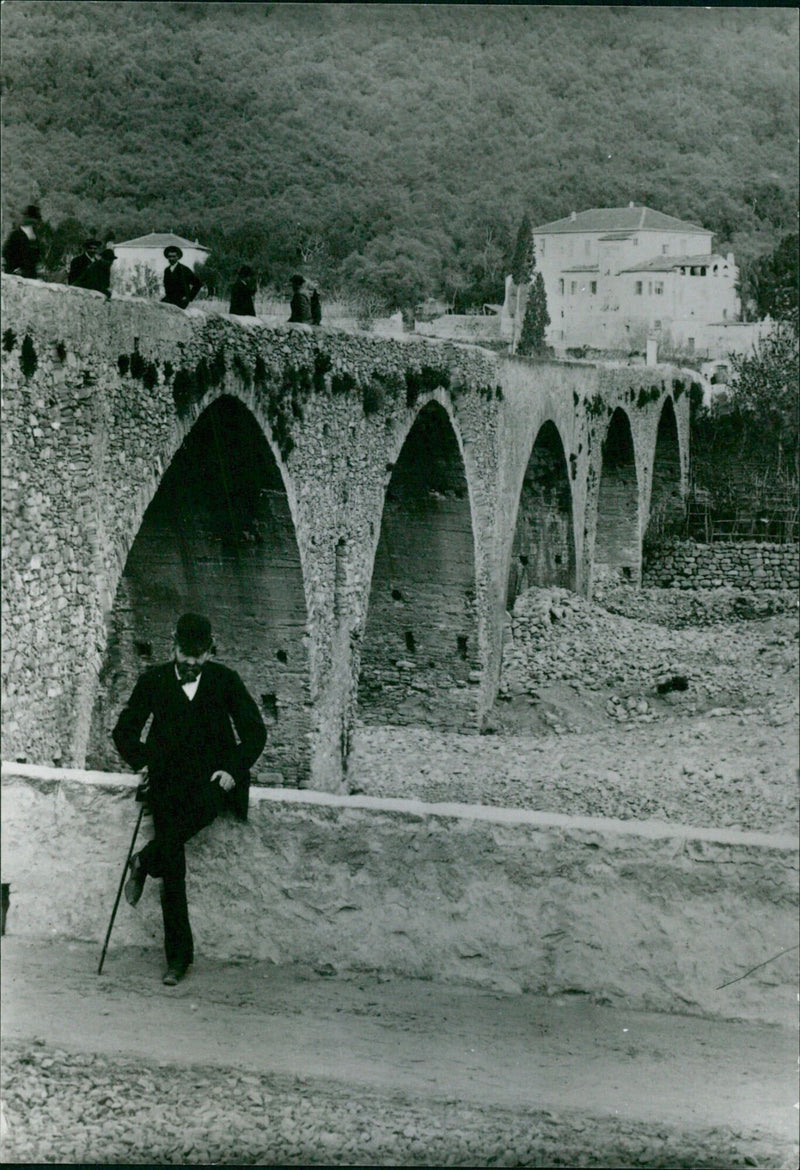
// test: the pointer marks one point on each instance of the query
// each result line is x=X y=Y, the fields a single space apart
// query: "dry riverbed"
x=586 y=723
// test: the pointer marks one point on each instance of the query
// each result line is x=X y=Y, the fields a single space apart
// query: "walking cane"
x=140 y=797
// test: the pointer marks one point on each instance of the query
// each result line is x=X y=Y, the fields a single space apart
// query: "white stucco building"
x=139 y=266
x=614 y=275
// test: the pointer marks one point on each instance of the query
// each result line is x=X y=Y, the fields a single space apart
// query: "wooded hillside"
x=394 y=149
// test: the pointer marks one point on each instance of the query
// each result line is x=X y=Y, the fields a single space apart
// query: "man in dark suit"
x=194 y=766
x=21 y=251
x=80 y=264
x=181 y=285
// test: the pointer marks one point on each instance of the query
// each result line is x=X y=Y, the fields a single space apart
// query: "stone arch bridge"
x=354 y=513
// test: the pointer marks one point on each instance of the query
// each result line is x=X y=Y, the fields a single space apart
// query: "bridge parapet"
x=371 y=491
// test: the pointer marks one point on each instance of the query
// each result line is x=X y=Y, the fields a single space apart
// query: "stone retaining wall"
x=744 y=565
x=657 y=916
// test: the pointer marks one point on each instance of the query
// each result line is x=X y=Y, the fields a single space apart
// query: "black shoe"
x=135 y=883
x=173 y=975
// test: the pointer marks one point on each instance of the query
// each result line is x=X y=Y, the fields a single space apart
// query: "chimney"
x=573 y=216
x=631 y=204
x=730 y=258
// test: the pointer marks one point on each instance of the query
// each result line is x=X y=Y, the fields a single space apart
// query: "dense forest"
x=393 y=149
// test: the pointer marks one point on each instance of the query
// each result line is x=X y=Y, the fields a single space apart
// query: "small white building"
x=139 y=267
x=616 y=275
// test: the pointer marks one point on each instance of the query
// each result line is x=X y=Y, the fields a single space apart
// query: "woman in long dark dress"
x=242 y=293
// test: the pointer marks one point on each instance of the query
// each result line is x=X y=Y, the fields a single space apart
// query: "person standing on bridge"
x=243 y=290
x=80 y=263
x=96 y=273
x=300 y=304
x=194 y=766
x=181 y=285
x=21 y=251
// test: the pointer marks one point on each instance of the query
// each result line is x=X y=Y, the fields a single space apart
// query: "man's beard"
x=187 y=674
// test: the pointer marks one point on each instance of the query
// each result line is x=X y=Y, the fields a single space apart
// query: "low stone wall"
x=743 y=565
x=653 y=915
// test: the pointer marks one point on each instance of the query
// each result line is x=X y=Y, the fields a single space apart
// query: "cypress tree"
x=535 y=321
x=523 y=260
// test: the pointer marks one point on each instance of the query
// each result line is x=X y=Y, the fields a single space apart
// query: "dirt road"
x=251 y=1063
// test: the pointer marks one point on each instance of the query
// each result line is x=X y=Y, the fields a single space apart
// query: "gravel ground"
x=582 y=728
x=69 y=1108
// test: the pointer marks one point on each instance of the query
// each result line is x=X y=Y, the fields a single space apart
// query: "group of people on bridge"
x=92 y=269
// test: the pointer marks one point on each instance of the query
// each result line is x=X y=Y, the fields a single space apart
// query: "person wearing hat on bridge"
x=80 y=263
x=194 y=766
x=181 y=285
x=21 y=251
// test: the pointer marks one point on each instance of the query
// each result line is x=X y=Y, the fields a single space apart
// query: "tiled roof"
x=160 y=240
x=618 y=219
x=667 y=263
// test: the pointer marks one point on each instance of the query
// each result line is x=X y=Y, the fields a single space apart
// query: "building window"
x=691 y=345
x=659 y=288
x=541 y=247
x=561 y=287
x=649 y=288
x=702 y=271
x=724 y=314
x=636 y=241
x=573 y=286
x=638 y=288
x=656 y=324
x=664 y=249
x=593 y=286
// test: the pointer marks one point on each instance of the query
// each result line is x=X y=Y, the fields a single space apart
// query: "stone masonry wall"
x=745 y=565
x=98 y=398
x=651 y=915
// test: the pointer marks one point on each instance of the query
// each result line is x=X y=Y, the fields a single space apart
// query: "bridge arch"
x=666 y=496
x=218 y=537
x=617 y=545
x=420 y=641
x=543 y=546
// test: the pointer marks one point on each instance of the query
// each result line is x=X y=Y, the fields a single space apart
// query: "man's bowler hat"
x=32 y=212
x=193 y=634
x=173 y=250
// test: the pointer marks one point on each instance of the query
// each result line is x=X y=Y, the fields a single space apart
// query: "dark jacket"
x=189 y=740
x=96 y=274
x=21 y=255
x=180 y=286
x=300 y=304
x=316 y=308
x=242 y=293
x=77 y=268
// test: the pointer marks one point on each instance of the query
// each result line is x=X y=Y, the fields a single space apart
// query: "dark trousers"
x=164 y=857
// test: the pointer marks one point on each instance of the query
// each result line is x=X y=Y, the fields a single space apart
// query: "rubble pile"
x=556 y=636
x=604 y=714
x=678 y=608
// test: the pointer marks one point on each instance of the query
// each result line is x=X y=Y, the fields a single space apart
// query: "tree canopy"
x=396 y=147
